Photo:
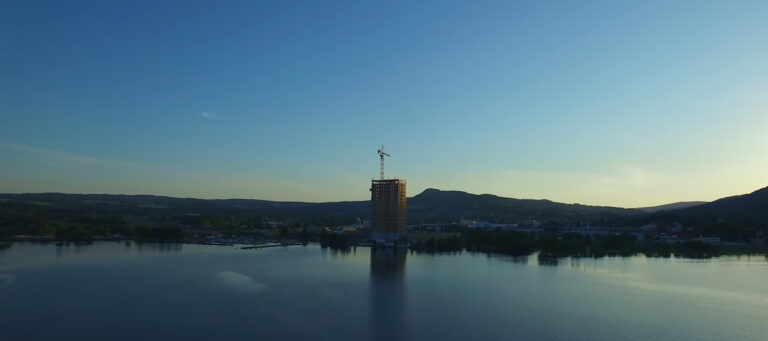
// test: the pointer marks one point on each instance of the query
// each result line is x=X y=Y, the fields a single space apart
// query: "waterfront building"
x=388 y=212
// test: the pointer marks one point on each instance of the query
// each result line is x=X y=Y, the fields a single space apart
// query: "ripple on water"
x=238 y=281
x=6 y=280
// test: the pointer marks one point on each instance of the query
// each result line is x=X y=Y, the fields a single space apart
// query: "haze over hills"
x=672 y=206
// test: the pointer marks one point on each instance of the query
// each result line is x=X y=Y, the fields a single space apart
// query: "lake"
x=116 y=291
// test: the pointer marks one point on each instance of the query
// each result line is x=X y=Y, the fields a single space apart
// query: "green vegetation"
x=508 y=243
x=452 y=243
x=569 y=245
x=576 y=245
x=335 y=240
x=88 y=217
x=159 y=233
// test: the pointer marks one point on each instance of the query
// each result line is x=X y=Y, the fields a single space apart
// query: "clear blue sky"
x=623 y=103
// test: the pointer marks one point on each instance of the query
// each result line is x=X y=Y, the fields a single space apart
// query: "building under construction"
x=388 y=209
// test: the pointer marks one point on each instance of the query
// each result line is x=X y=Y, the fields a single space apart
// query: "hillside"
x=736 y=218
x=433 y=204
x=753 y=206
x=672 y=206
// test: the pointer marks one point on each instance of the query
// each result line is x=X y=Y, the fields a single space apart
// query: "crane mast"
x=382 y=154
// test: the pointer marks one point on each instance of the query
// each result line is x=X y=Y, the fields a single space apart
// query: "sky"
x=618 y=103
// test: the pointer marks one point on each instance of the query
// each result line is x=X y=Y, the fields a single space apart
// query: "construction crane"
x=382 y=154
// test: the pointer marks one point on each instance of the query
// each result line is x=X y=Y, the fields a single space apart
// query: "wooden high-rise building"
x=388 y=211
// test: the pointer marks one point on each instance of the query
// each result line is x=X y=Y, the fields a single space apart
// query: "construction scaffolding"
x=388 y=211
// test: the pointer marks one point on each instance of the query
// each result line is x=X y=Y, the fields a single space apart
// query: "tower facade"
x=388 y=211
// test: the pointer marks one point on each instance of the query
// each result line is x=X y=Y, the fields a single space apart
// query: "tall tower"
x=388 y=209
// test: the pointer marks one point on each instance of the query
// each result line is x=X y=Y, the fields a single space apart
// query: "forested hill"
x=434 y=204
x=753 y=206
x=429 y=206
x=733 y=218
x=672 y=206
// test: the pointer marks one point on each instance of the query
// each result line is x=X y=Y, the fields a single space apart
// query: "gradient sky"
x=621 y=103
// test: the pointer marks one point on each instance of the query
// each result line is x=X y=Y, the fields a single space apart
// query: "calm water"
x=190 y=292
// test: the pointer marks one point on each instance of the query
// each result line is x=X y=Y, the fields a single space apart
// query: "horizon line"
x=324 y=202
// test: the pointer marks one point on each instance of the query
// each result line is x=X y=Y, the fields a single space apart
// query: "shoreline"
x=251 y=243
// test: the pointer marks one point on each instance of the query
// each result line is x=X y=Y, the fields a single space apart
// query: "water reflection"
x=547 y=261
x=4 y=246
x=63 y=248
x=387 y=293
x=513 y=259
x=159 y=247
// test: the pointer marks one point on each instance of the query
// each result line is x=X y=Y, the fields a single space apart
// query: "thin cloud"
x=66 y=156
x=207 y=115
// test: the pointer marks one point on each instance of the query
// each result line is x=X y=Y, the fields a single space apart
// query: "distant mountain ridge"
x=672 y=206
x=431 y=205
x=753 y=206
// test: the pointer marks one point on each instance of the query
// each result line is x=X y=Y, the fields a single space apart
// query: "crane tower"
x=382 y=154
x=388 y=209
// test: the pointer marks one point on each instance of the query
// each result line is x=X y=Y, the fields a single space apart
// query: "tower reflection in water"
x=387 y=315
